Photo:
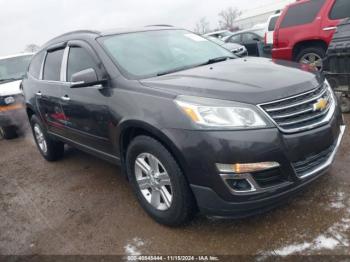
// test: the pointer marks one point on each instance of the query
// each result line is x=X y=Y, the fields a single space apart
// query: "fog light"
x=239 y=184
x=246 y=168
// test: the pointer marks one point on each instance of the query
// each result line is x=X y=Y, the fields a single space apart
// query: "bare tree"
x=31 y=48
x=202 y=26
x=228 y=17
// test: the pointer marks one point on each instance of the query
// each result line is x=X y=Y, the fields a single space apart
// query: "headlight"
x=213 y=113
x=9 y=100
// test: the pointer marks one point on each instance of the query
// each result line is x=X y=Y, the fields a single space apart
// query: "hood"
x=231 y=46
x=10 y=88
x=249 y=80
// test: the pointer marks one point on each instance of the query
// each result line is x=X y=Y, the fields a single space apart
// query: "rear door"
x=49 y=90
x=335 y=11
x=88 y=118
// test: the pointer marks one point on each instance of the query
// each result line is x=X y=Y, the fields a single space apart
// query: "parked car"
x=238 y=50
x=251 y=39
x=219 y=34
x=305 y=29
x=192 y=126
x=337 y=64
x=270 y=29
x=12 y=69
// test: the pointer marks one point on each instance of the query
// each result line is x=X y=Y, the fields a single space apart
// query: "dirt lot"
x=82 y=205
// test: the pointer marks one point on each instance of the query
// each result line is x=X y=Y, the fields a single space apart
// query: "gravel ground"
x=82 y=205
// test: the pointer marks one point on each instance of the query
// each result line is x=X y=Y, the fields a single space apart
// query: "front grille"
x=310 y=163
x=300 y=112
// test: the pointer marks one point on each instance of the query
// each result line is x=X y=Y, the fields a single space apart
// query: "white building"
x=259 y=15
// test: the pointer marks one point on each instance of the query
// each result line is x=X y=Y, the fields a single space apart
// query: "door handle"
x=65 y=98
x=39 y=93
x=329 y=28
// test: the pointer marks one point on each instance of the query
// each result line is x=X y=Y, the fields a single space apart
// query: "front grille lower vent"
x=312 y=162
x=303 y=111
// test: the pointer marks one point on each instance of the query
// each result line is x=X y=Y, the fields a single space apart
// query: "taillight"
x=265 y=39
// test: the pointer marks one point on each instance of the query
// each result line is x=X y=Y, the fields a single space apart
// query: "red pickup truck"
x=305 y=29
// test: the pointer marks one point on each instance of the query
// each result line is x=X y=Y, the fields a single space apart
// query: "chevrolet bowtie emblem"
x=320 y=105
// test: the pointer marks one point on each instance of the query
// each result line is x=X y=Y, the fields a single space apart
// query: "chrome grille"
x=298 y=113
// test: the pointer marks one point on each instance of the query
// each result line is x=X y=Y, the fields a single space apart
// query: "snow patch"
x=334 y=237
x=133 y=248
x=292 y=249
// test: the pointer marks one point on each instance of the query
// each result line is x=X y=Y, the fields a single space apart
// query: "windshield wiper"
x=174 y=70
x=210 y=61
x=217 y=60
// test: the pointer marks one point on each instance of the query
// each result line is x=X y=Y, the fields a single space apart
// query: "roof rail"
x=160 y=25
x=79 y=32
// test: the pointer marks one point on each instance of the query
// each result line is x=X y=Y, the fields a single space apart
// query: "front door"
x=86 y=109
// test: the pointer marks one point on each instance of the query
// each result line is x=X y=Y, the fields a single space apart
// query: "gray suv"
x=193 y=126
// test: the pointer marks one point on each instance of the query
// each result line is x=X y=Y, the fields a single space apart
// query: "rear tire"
x=49 y=148
x=181 y=207
x=8 y=132
x=308 y=53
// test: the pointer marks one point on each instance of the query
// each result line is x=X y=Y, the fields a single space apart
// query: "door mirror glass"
x=84 y=78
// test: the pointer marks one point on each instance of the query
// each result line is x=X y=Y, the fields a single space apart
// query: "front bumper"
x=201 y=150
x=12 y=115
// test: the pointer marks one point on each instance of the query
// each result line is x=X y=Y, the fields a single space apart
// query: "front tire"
x=158 y=182
x=49 y=148
x=8 y=132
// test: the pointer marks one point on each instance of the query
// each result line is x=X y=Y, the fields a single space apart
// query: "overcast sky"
x=24 y=22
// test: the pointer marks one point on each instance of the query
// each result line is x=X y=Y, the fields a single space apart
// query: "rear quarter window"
x=35 y=65
x=340 y=10
x=300 y=14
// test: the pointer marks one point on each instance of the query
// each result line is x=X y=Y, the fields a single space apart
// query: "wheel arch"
x=306 y=44
x=133 y=128
x=30 y=110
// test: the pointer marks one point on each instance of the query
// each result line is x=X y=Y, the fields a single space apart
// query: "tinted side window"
x=340 y=10
x=35 y=65
x=300 y=14
x=235 y=39
x=249 y=37
x=272 y=23
x=52 y=68
x=78 y=60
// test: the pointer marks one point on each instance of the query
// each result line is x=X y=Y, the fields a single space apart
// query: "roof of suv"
x=16 y=55
x=92 y=34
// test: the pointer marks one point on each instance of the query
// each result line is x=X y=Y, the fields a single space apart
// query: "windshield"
x=151 y=53
x=14 y=68
x=216 y=40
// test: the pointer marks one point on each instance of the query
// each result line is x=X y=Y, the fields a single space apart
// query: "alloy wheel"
x=312 y=59
x=40 y=138
x=153 y=181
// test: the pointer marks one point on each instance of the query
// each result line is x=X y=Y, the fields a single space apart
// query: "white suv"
x=12 y=70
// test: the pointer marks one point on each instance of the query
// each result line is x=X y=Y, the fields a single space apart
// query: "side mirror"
x=85 y=78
